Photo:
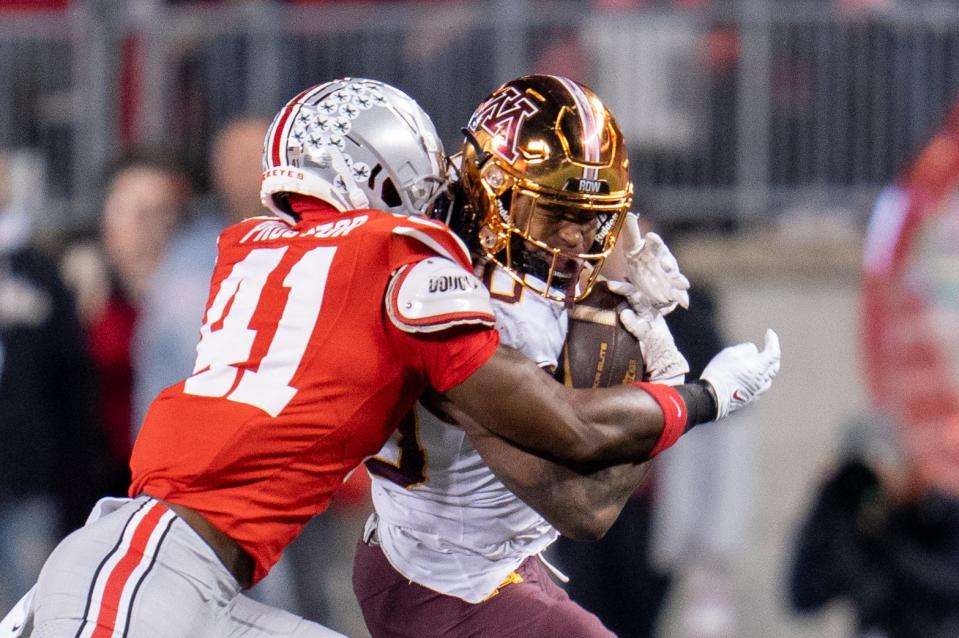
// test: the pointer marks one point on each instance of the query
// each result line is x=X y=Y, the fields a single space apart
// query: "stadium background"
x=761 y=133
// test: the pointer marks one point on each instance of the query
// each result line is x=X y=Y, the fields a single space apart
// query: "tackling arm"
x=514 y=399
x=511 y=396
x=581 y=502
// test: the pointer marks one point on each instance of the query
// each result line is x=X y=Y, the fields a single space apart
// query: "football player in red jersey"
x=324 y=325
x=451 y=550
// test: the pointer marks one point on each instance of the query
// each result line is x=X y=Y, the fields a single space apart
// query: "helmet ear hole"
x=373 y=173
x=505 y=202
x=389 y=194
x=282 y=201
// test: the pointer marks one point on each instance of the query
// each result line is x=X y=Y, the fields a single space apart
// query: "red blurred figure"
x=909 y=318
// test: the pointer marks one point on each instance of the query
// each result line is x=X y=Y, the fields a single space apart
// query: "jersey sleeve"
x=448 y=358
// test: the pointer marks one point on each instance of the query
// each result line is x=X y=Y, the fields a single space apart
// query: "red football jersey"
x=300 y=374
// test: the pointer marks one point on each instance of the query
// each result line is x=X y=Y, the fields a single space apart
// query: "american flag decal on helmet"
x=281 y=124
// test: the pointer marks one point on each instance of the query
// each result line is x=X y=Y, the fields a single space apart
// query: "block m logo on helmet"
x=503 y=117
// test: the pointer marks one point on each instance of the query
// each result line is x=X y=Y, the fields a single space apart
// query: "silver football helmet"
x=354 y=143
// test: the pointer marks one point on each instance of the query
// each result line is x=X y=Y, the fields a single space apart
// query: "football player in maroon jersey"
x=451 y=549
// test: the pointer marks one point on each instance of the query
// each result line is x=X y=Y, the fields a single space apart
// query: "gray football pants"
x=141 y=572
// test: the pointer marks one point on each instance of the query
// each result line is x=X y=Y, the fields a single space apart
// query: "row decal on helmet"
x=436 y=294
x=503 y=117
x=591 y=133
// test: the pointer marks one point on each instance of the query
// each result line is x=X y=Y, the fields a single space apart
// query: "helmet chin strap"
x=356 y=197
x=571 y=285
x=481 y=155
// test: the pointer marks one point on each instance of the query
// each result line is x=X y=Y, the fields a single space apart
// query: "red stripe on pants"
x=110 y=603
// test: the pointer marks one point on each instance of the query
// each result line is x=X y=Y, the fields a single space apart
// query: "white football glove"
x=740 y=373
x=664 y=362
x=653 y=279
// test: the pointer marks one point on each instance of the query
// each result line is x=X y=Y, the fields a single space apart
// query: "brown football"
x=599 y=351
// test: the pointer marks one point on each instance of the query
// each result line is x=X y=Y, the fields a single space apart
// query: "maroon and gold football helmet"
x=544 y=143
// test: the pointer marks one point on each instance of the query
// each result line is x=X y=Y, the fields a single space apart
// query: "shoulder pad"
x=435 y=294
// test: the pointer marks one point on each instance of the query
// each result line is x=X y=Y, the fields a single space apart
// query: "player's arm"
x=512 y=397
x=581 y=504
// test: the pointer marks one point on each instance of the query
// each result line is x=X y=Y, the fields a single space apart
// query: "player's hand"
x=740 y=373
x=653 y=278
x=664 y=362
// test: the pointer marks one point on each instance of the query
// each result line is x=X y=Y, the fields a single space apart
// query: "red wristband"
x=674 y=413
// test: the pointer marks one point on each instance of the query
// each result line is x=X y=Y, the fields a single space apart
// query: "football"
x=599 y=351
